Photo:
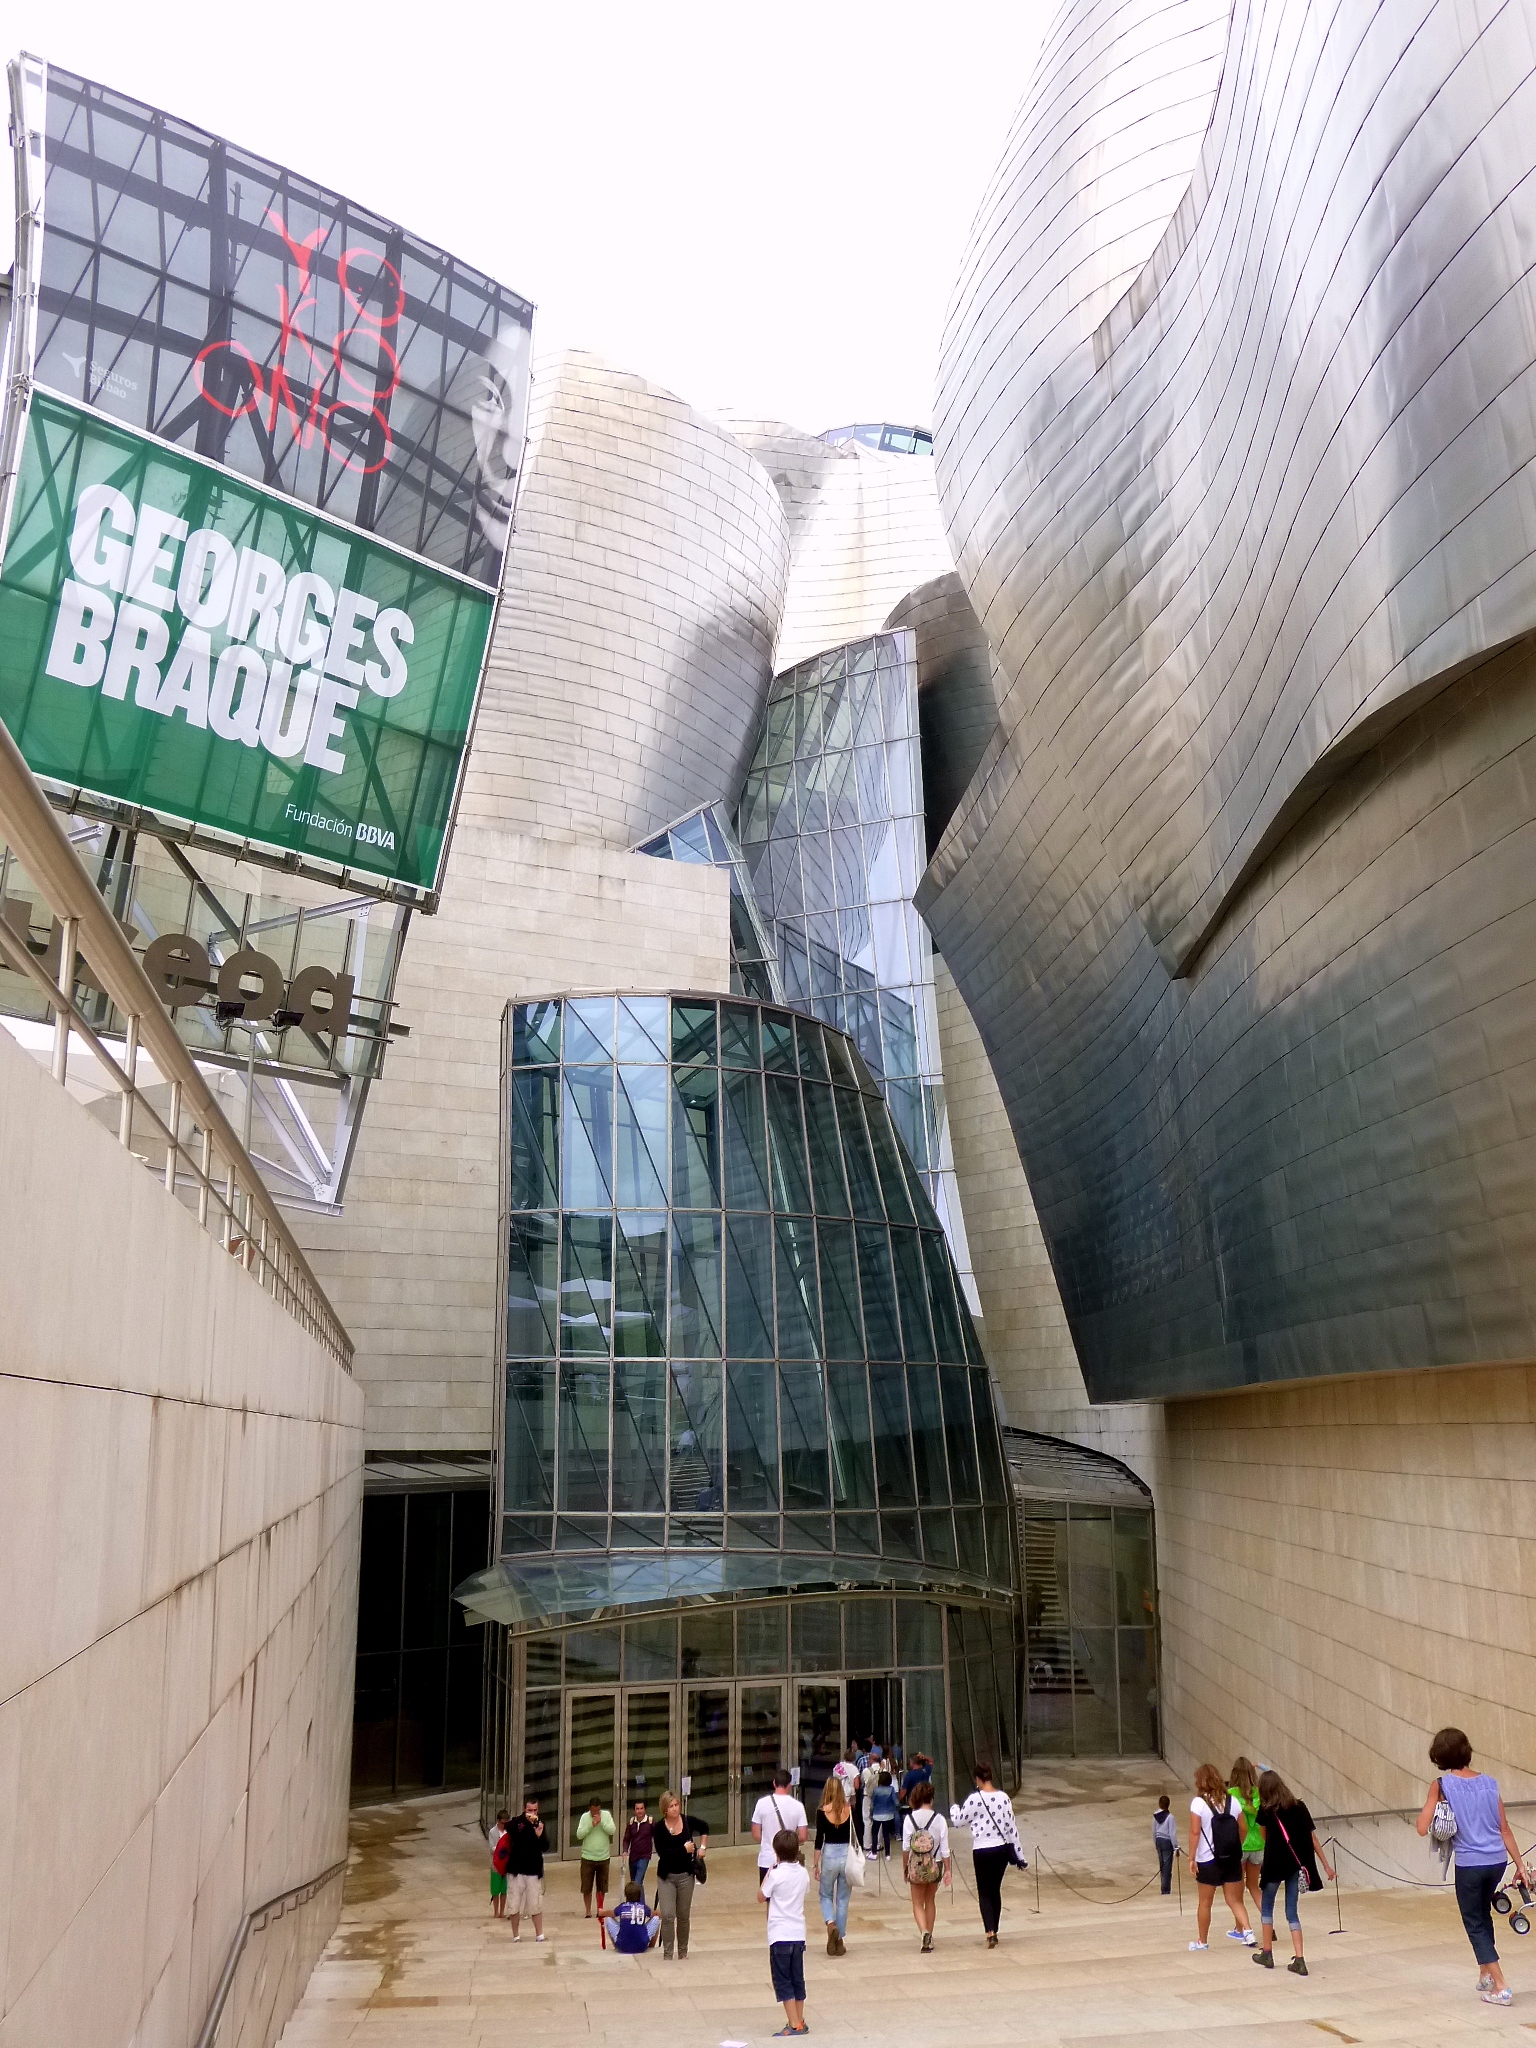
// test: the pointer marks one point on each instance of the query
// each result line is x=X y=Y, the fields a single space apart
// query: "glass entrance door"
x=819 y=1730
x=647 y=1747
x=708 y=1747
x=761 y=1750
x=592 y=1755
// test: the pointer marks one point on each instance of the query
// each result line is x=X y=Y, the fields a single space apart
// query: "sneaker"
x=1297 y=1966
x=1484 y=1981
x=1504 y=1997
x=1265 y=1958
x=538 y=1937
x=991 y=1941
x=927 y=1949
x=516 y=1937
x=1237 y=1934
x=1251 y=1940
x=1198 y=1945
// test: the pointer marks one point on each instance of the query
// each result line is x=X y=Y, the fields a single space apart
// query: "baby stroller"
x=1519 y=1921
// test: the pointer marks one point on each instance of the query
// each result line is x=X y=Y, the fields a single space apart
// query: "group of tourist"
x=1250 y=1838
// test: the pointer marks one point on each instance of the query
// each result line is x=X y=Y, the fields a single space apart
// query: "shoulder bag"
x=1302 y=1870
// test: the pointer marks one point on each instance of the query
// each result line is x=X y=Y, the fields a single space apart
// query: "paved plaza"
x=417 y=1961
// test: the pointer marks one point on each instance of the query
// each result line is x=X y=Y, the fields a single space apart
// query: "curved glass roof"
x=882 y=435
x=736 y=1354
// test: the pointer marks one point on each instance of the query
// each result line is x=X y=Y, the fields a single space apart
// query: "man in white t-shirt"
x=783 y=1889
x=775 y=1811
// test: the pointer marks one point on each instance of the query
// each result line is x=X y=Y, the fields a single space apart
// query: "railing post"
x=67 y=932
x=175 y=1123
x=131 y=1069
x=205 y=1177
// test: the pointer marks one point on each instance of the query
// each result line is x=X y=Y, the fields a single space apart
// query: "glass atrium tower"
x=754 y=1502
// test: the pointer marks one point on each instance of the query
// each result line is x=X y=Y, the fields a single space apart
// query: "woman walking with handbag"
x=680 y=1842
x=834 y=1835
x=1292 y=1853
x=1478 y=1828
x=988 y=1814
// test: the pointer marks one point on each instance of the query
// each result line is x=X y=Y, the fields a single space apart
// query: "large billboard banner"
x=175 y=638
x=263 y=497
x=222 y=302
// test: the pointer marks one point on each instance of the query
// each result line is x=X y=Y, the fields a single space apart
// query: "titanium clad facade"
x=1245 y=501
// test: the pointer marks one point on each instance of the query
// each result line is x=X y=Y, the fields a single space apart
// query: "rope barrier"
x=1155 y=1878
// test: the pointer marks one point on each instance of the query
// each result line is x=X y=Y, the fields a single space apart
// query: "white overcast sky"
x=762 y=208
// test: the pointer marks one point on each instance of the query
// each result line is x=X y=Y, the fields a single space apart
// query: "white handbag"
x=856 y=1859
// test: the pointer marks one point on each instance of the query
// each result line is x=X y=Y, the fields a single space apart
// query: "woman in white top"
x=1216 y=1824
x=988 y=1814
x=924 y=1859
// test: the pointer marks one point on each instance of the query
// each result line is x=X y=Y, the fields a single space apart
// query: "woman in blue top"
x=1483 y=1841
x=883 y=1815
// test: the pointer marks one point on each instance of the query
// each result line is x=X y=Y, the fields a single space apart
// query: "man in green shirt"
x=595 y=1832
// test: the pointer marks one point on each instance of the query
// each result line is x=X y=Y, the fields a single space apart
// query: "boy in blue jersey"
x=631 y=1929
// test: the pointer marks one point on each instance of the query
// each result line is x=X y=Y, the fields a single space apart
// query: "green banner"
x=174 y=637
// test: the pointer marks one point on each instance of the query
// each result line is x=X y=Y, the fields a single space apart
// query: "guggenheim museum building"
x=962 y=1171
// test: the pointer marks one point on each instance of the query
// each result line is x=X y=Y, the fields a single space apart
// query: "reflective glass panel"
x=588 y=1030
x=928 y=1437
x=640 y=1437
x=1135 y=1577
x=650 y=1650
x=640 y=1284
x=893 y=1181
x=862 y=1182
x=778 y=1042
x=912 y=1294
x=816 y=1640
x=593 y=1754
x=746 y=1144
x=1091 y=1563
x=533 y=1286
x=586 y=1284
x=693 y=1032
x=786 y=1140
x=530 y=1446
x=696 y=1463
x=760 y=1641
x=960 y=1436
x=752 y=1438
x=803 y=1431
x=641 y=1105
x=695 y=1138
x=706 y=1634
x=919 y=1633
x=587 y=1137
x=738 y=1036
x=536 y=1138
x=878 y=1293
x=867 y=1640
x=893 y=1441
x=949 y=1340
x=535 y=1033
x=799 y=1317
x=826 y=1152
x=989 y=1445
x=696 y=1293
x=840 y=1291
x=644 y=1026
x=583 y=1439
x=748 y=1285
x=853 y=1464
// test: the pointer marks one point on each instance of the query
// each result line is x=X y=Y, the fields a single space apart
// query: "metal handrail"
x=296 y=1895
x=252 y=1227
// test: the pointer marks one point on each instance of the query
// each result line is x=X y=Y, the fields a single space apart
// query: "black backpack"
x=1226 y=1835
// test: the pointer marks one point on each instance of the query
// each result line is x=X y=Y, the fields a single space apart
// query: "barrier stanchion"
x=1178 y=1878
x=1037 y=1877
x=1338 y=1910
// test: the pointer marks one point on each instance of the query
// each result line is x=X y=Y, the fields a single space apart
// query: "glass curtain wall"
x=1090 y=1629
x=732 y=1320
x=831 y=825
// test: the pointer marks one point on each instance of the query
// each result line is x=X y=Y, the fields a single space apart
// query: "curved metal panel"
x=1237 y=895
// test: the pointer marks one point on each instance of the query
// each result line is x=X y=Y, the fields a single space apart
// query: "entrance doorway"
x=618 y=1747
x=874 y=1712
x=733 y=1741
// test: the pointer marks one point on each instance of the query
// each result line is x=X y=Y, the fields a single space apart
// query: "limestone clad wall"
x=180 y=1481
x=410 y=1264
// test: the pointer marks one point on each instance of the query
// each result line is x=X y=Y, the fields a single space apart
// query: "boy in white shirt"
x=783 y=1891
